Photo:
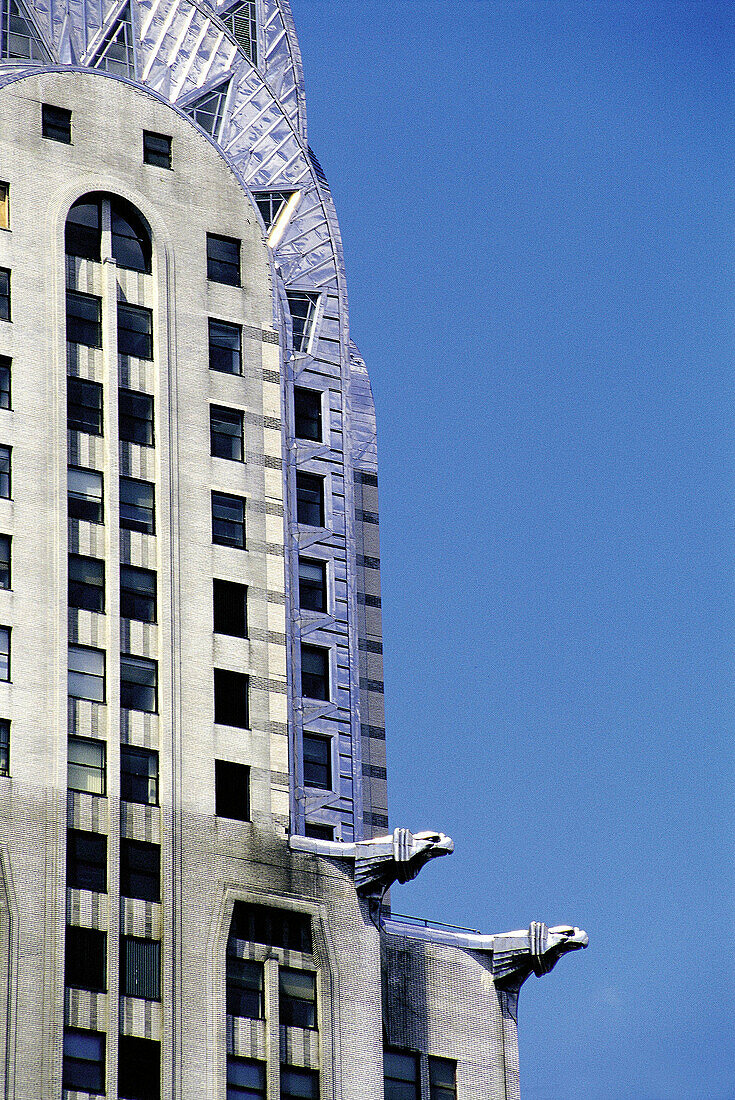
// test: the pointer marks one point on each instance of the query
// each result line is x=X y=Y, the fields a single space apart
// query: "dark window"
x=84 y=406
x=138 y=1069
x=137 y=505
x=297 y=998
x=302 y=307
x=5 y=482
x=225 y=433
x=245 y=1079
x=86 y=583
x=308 y=410
x=140 y=870
x=400 y=1075
x=223 y=259
x=272 y=927
x=299 y=1084
x=244 y=988
x=5 y=548
x=231 y=691
x=138 y=683
x=56 y=123
x=137 y=594
x=5 y=653
x=228 y=520
x=86 y=764
x=135 y=417
x=209 y=109
x=270 y=204
x=312 y=585
x=310 y=499
x=139 y=775
x=134 y=331
x=317 y=761
x=318 y=831
x=4 y=294
x=230 y=607
x=84 y=494
x=140 y=968
x=442 y=1079
x=242 y=21
x=19 y=38
x=4 y=746
x=87 y=673
x=85 y=955
x=225 y=347
x=83 y=319
x=5 y=364
x=232 y=790
x=314 y=672
x=131 y=241
x=156 y=149
x=83 y=231
x=84 y=1061
x=86 y=861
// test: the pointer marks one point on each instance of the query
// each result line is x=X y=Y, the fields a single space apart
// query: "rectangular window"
x=5 y=364
x=138 y=775
x=156 y=149
x=86 y=861
x=137 y=505
x=297 y=998
x=135 y=417
x=85 y=959
x=299 y=1084
x=232 y=790
x=140 y=870
x=302 y=307
x=225 y=347
x=314 y=672
x=244 y=988
x=400 y=1075
x=272 y=927
x=138 y=1069
x=134 y=331
x=140 y=968
x=5 y=556
x=87 y=673
x=138 y=594
x=442 y=1079
x=83 y=230
x=83 y=406
x=83 y=319
x=231 y=690
x=308 y=410
x=223 y=259
x=138 y=683
x=226 y=433
x=245 y=1079
x=228 y=520
x=317 y=761
x=5 y=653
x=86 y=765
x=56 y=123
x=319 y=831
x=310 y=499
x=86 y=583
x=4 y=206
x=230 y=608
x=312 y=585
x=4 y=294
x=84 y=1061
x=84 y=488
x=5 y=480
x=4 y=746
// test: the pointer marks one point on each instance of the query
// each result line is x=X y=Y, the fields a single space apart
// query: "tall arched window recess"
x=101 y=226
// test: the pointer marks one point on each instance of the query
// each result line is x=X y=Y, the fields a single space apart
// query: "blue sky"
x=536 y=203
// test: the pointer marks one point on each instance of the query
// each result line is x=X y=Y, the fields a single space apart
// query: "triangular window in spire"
x=209 y=109
x=270 y=204
x=242 y=21
x=19 y=38
x=117 y=54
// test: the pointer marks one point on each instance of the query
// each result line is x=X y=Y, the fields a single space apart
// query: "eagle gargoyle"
x=536 y=950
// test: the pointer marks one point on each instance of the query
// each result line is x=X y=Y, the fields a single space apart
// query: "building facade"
x=194 y=844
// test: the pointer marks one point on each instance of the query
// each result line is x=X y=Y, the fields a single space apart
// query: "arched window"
x=130 y=239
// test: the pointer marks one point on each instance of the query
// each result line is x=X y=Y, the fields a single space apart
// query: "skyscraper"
x=194 y=845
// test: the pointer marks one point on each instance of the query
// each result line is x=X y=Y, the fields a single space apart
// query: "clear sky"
x=536 y=204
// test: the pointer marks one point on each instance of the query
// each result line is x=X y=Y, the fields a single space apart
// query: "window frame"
x=218 y=265
x=56 y=123
x=6 y=562
x=130 y=779
x=310 y=508
x=87 y=327
x=5 y=654
x=312 y=1075
x=222 y=523
x=85 y=958
x=143 y=983
x=139 y=514
x=130 y=872
x=93 y=771
x=225 y=712
x=5 y=294
x=327 y=764
x=138 y=1068
x=75 y=1083
x=309 y=677
x=76 y=406
x=232 y=790
x=136 y=692
x=85 y=675
x=216 y=350
x=442 y=1090
x=237 y=1090
x=396 y=1053
x=295 y=1010
x=161 y=157
x=80 y=500
x=4 y=204
x=132 y=599
x=228 y=597
x=239 y=991
x=133 y=342
x=220 y=439
x=85 y=586
x=6 y=472
x=74 y=864
x=4 y=746
x=128 y=419
x=309 y=587
x=6 y=382
x=302 y=394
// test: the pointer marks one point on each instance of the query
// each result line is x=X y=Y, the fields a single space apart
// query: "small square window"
x=85 y=954
x=4 y=205
x=318 y=831
x=310 y=499
x=232 y=790
x=246 y=1079
x=442 y=1079
x=5 y=364
x=83 y=319
x=317 y=761
x=87 y=760
x=231 y=691
x=312 y=585
x=135 y=417
x=140 y=968
x=314 y=672
x=83 y=406
x=400 y=1075
x=156 y=149
x=84 y=489
x=137 y=505
x=138 y=683
x=138 y=775
x=138 y=1069
x=228 y=520
x=86 y=861
x=6 y=543
x=230 y=608
x=134 y=331
x=4 y=294
x=87 y=673
x=84 y=1061
x=140 y=870
x=226 y=433
x=56 y=123
x=297 y=1000
x=223 y=259
x=299 y=1084
x=225 y=347
x=308 y=414
x=5 y=653
x=86 y=583
x=137 y=594
x=4 y=746
x=244 y=988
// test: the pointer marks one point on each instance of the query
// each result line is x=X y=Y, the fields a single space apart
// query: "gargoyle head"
x=549 y=944
x=397 y=858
